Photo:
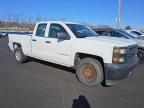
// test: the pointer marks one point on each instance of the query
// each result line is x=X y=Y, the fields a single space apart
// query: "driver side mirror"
x=63 y=36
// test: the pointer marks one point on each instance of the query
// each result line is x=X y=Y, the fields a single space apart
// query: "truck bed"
x=24 y=40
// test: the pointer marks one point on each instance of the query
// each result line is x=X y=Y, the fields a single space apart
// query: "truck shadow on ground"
x=81 y=102
x=52 y=65
x=68 y=69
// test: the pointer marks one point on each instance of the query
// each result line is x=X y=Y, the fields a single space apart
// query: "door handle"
x=47 y=41
x=34 y=40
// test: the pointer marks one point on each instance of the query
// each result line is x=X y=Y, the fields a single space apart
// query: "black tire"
x=18 y=52
x=90 y=72
x=141 y=55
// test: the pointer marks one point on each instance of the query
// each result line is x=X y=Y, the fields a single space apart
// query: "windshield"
x=127 y=34
x=81 y=31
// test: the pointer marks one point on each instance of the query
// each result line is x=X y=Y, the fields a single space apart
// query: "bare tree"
x=63 y=19
x=89 y=25
x=128 y=28
x=16 y=18
x=38 y=18
x=9 y=17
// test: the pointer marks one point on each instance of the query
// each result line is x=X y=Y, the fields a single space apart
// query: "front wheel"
x=90 y=72
x=19 y=56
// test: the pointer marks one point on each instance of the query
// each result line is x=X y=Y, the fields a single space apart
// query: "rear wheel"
x=19 y=56
x=90 y=72
x=141 y=55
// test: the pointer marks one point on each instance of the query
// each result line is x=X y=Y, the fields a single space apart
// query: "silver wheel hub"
x=18 y=55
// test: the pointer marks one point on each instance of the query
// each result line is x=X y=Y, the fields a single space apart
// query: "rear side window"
x=41 y=30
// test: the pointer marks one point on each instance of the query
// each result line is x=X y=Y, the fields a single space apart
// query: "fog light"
x=119 y=60
x=116 y=60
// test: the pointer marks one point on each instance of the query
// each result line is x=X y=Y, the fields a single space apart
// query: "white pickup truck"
x=95 y=59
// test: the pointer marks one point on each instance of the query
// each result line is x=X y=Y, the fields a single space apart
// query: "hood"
x=140 y=42
x=118 y=42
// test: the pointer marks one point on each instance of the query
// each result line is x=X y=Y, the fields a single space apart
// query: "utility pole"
x=119 y=13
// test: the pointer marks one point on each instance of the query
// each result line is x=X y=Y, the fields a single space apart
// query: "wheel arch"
x=16 y=45
x=79 y=56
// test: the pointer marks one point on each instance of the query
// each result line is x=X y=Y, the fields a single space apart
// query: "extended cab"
x=95 y=59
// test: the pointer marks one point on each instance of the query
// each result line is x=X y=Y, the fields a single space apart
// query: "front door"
x=59 y=50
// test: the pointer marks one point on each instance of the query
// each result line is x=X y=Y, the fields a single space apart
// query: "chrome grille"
x=132 y=50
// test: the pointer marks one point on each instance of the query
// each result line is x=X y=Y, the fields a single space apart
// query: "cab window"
x=41 y=30
x=54 y=29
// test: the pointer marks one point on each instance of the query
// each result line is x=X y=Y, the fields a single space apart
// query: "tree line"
x=22 y=22
x=13 y=21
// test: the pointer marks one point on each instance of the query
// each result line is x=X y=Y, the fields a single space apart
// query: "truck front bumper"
x=116 y=72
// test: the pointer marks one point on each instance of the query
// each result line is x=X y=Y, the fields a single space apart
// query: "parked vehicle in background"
x=123 y=34
x=95 y=59
x=3 y=34
x=135 y=32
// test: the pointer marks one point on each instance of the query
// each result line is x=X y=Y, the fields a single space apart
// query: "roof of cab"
x=65 y=22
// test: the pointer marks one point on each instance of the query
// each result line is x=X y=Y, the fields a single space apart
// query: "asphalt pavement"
x=39 y=84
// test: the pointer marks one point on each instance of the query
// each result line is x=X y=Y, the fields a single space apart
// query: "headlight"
x=119 y=55
x=120 y=51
